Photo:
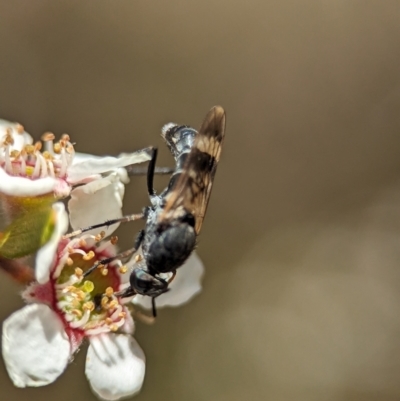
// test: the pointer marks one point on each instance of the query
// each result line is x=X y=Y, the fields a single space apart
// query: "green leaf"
x=31 y=227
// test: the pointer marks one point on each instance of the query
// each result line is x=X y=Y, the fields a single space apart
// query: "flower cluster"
x=65 y=306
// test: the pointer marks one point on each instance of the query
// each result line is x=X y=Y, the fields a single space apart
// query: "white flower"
x=32 y=179
x=27 y=171
x=65 y=307
x=40 y=339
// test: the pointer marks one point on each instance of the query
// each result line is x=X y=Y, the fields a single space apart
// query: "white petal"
x=97 y=165
x=47 y=253
x=35 y=346
x=96 y=202
x=115 y=366
x=20 y=140
x=20 y=186
x=183 y=288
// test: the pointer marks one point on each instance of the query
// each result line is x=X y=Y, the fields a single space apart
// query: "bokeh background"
x=302 y=239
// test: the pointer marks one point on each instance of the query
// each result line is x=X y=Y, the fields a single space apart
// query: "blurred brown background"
x=302 y=238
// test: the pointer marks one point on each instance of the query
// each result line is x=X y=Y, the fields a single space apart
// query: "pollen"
x=104 y=272
x=90 y=255
x=48 y=136
x=88 y=286
x=38 y=146
x=78 y=270
x=47 y=155
x=104 y=301
x=109 y=291
x=77 y=312
x=88 y=306
x=15 y=154
x=29 y=149
x=113 y=327
x=9 y=140
x=70 y=288
x=99 y=236
x=113 y=304
x=57 y=148
x=123 y=269
x=19 y=128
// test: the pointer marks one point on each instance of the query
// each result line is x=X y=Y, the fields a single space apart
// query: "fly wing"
x=192 y=190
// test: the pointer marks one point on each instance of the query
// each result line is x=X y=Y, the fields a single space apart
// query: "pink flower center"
x=87 y=305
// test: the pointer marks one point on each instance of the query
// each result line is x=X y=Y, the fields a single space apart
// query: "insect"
x=175 y=217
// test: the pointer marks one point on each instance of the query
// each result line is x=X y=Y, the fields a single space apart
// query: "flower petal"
x=183 y=288
x=46 y=254
x=97 y=165
x=21 y=186
x=115 y=366
x=35 y=346
x=96 y=202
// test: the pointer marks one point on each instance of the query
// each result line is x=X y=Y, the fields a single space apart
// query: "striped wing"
x=193 y=188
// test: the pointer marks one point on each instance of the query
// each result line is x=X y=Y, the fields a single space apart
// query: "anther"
x=109 y=291
x=65 y=137
x=138 y=258
x=88 y=306
x=30 y=149
x=100 y=236
x=78 y=271
x=57 y=148
x=19 y=128
x=47 y=155
x=82 y=243
x=113 y=327
x=123 y=269
x=113 y=303
x=38 y=146
x=88 y=286
x=90 y=255
x=77 y=312
x=47 y=136
x=8 y=140
x=104 y=272
x=114 y=240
